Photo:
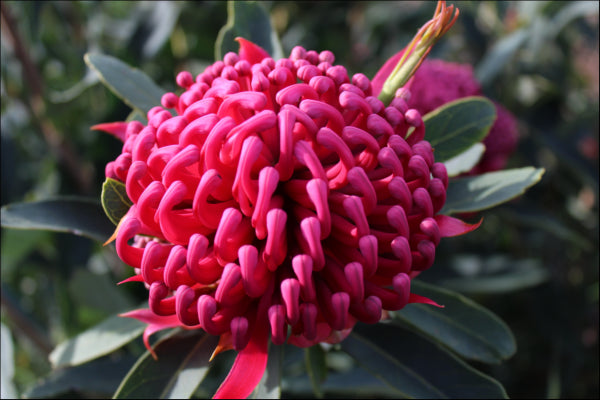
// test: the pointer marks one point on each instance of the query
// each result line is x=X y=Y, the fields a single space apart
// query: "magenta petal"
x=450 y=226
x=383 y=73
x=247 y=370
x=251 y=52
x=117 y=129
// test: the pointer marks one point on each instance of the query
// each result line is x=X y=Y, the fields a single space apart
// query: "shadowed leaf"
x=78 y=215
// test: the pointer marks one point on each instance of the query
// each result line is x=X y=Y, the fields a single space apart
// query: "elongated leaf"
x=102 y=339
x=465 y=161
x=114 y=200
x=96 y=379
x=181 y=366
x=415 y=367
x=78 y=215
x=131 y=85
x=356 y=383
x=316 y=366
x=247 y=19
x=462 y=325
x=511 y=281
x=501 y=53
x=456 y=126
x=269 y=386
x=489 y=190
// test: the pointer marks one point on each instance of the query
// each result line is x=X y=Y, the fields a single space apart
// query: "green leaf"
x=465 y=161
x=247 y=19
x=269 y=386
x=458 y=125
x=102 y=339
x=181 y=366
x=488 y=190
x=78 y=215
x=462 y=325
x=355 y=383
x=96 y=379
x=499 y=54
x=495 y=274
x=415 y=367
x=131 y=85
x=316 y=366
x=114 y=200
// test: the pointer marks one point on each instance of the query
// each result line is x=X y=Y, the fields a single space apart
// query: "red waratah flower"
x=438 y=82
x=282 y=201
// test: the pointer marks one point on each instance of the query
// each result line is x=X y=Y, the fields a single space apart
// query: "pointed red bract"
x=450 y=226
x=117 y=129
x=251 y=52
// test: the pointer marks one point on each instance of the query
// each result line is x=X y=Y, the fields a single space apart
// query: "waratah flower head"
x=280 y=199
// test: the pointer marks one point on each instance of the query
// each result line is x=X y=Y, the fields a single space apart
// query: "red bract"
x=283 y=200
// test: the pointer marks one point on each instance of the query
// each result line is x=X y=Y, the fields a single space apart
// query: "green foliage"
x=80 y=216
x=462 y=325
x=458 y=125
x=484 y=191
x=247 y=19
x=414 y=367
x=131 y=85
x=100 y=340
x=114 y=200
x=181 y=365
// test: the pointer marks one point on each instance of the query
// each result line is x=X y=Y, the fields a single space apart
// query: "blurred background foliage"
x=534 y=261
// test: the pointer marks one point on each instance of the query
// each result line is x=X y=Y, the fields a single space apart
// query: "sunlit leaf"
x=462 y=325
x=181 y=366
x=269 y=386
x=131 y=85
x=488 y=190
x=416 y=367
x=114 y=200
x=465 y=161
x=316 y=367
x=76 y=215
x=456 y=126
x=247 y=19
x=104 y=338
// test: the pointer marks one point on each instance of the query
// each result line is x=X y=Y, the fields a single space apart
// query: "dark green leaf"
x=462 y=325
x=269 y=386
x=355 y=383
x=488 y=190
x=77 y=215
x=181 y=366
x=131 y=85
x=316 y=366
x=496 y=274
x=114 y=200
x=96 y=379
x=247 y=19
x=458 y=125
x=415 y=367
x=98 y=291
x=104 y=338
